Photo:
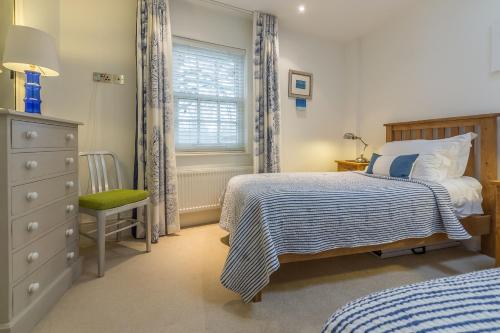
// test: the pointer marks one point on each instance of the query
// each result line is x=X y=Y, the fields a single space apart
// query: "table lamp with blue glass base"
x=33 y=52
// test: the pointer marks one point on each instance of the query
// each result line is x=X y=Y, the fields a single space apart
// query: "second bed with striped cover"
x=463 y=303
x=267 y=215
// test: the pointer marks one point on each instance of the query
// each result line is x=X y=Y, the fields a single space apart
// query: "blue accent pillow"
x=372 y=163
x=394 y=166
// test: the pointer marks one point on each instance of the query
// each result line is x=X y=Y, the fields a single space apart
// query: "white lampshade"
x=30 y=49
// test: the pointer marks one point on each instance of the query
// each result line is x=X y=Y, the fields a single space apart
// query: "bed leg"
x=496 y=224
x=495 y=215
x=257 y=298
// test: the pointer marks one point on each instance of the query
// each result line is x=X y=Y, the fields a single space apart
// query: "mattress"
x=463 y=303
x=465 y=195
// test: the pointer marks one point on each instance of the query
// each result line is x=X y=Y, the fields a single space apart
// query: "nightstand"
x=350 y=165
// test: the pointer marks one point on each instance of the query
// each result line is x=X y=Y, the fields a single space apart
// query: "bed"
x=463 y=303
x=274 y=219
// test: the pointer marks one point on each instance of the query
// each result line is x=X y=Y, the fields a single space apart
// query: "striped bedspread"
x=267 y=215
x=463 y=303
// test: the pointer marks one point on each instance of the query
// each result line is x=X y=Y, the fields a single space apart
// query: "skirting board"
x=398 y=253
x=27 y=320
x=200 y=218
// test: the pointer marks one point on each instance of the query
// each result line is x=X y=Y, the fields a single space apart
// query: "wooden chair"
x=104 y=201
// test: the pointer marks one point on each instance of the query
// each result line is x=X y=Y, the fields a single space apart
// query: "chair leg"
x=148 y=227
x=101 y=243
x=118 y=234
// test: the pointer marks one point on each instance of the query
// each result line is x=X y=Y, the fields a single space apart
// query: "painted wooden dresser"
x=38 y=216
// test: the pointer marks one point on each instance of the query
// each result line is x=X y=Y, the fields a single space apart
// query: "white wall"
x=7 y=92
x=312 y=139
x=433 y=61
x=92 y=35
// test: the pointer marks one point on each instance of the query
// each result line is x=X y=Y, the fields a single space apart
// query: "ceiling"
x=340 y=20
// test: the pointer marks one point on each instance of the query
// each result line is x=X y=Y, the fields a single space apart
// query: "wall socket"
x=119 y=79
x=108 y=78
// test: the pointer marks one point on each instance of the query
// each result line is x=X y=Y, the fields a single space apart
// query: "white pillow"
x=465 y=144
x=452 y=153
x=431 y=167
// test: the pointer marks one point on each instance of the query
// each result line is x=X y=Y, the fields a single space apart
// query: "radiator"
x=201 y=188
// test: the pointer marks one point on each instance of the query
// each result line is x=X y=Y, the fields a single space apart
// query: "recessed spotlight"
x=302 y=8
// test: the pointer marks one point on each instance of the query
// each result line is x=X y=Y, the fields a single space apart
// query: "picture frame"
x=300 y=84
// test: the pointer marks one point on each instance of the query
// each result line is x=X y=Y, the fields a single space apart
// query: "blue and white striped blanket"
x=463 y=303
x=272 y=214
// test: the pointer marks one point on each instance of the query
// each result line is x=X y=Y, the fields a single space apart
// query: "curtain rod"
x=227 y=6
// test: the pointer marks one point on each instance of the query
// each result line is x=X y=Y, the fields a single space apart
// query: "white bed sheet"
x=465 y=193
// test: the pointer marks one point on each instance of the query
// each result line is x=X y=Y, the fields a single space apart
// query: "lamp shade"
x=30 y=49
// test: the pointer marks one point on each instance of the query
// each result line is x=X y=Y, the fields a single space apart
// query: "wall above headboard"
x=431 y=62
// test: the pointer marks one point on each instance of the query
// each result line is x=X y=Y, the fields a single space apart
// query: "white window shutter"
x=209 y=97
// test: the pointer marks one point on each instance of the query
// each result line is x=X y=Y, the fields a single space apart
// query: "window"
x=209 y=84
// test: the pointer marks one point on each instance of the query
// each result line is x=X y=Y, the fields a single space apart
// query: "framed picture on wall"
x=300 y=84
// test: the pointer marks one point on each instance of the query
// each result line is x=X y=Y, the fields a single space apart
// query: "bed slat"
x=428 y=133
x=469 y=171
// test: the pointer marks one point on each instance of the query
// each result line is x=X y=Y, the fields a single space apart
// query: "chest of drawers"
x=38 y=216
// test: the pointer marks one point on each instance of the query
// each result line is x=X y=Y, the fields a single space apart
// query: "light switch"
x=119 y=79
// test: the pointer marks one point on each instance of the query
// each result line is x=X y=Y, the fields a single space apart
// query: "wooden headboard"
x=482 y=160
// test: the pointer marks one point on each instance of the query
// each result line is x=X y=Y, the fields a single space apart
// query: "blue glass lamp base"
x=32 y=87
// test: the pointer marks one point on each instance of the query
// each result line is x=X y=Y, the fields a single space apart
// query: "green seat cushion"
x=112 y=199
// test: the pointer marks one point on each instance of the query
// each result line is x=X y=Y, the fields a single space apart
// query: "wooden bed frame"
x=482 y=165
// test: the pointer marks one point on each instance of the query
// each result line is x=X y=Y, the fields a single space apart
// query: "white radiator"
x=201 y=188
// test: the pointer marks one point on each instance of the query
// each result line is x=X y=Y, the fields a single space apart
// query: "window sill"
x=211 y=153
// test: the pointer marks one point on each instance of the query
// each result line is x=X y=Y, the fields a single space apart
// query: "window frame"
x=241 y=103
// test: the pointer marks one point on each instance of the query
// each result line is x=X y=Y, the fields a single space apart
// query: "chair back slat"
x=98 y=171
x=91 y=173
x=104 y=173
x=118 y=170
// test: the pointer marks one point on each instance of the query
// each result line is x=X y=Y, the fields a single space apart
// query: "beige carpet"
x=176 y=288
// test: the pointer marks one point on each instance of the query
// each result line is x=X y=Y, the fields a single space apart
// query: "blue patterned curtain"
x=155 y=167
x=266 y=93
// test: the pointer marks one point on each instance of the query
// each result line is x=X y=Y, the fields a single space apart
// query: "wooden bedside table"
x=350 y=165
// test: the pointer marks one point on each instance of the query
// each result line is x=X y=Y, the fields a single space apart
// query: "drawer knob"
x=70 y=184
x=32 y=226
x=33 y=256
x=70 y=160
x=70 y=255
x=70 y=137
x=33 y=288
x=31 y=196
x=70 y=208
x=70 y=232
x=30 y=135
x=31 y=165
